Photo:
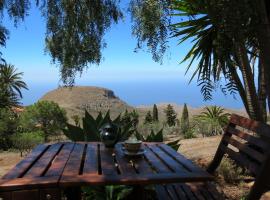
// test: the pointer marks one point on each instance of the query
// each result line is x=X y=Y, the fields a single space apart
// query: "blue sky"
x=121 y=70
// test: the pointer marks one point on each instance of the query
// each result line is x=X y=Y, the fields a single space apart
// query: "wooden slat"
x=123 y=161
x=196 y=190
x=24 y=164
x=171 y=191
x=180 y=192
x=202 y=191
x=255 y=126
x=74 y=162
x=241 y=160
x=250 y=138
x=170 y=162
x=41 y=165
x=91 y=159
x=155 y=161
x=188 y=192
x=28 y=183
x=243 y=147
x=107 y=163
x=162 y=194
x=133 y=179
x=60 y=161
x=180 y=158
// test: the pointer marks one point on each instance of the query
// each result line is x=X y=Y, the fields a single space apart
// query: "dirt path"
x=7 y=161
x=200 y=148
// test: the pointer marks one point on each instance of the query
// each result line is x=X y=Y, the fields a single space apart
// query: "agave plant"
x=90 y=130
x=157 y=137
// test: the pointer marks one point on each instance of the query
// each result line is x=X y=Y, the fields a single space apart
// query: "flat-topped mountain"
x=94 y=99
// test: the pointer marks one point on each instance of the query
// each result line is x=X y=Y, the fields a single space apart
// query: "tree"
x=25 y=142
x=8 y=126
x=170 y=115
x=75 y=29
x=148 y=118
x=46 y=116
x=155 y=113
x=215 y=118
x=231 y=39
x=226 y=42
x=184 y=120
x=11 y=84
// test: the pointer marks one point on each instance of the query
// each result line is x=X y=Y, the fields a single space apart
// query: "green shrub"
x=190 y=133
x=24 y=142
x=229 y=171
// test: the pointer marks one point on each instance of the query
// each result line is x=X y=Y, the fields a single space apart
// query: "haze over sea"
x=134 y=77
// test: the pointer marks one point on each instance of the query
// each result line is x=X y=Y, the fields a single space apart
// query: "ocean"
x=140 y=92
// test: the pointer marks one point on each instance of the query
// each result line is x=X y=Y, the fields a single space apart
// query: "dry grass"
x=8 y=160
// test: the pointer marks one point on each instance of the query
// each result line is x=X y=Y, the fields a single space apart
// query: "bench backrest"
x=247 y=142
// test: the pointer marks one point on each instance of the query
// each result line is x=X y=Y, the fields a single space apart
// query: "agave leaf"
x=159 y=136
x=123 y=192
x=74 y=133
x=174 y=145
x=125 y=132
x=91 y=131
x=99 y=119
x=117 y=120
x=90 y=118
x=90 y=128
x=139 y=136
x=106 y=119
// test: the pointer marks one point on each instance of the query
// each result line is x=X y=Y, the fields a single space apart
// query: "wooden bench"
x=245 y=141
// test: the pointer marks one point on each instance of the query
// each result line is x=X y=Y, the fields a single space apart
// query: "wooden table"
x=53 y=167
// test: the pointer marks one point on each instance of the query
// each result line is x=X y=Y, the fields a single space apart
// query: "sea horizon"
x=144 y=92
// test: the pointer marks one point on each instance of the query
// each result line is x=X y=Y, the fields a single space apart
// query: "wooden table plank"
x=41 y=165
x=60 y=161
x=74 y=162
x=107 y=163
x=28 y=183
x=131 y=179
x=170 y=162
x=125 y=166
x=24 y=164
x=77 y=164
x=180 y=158
x=154 y=161
x=91 y=159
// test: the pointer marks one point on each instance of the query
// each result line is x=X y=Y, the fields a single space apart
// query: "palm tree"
x=214 y=118
x=11 y=84
x=224 y=41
